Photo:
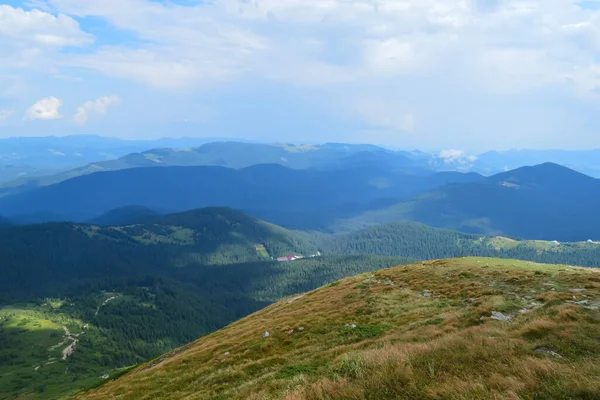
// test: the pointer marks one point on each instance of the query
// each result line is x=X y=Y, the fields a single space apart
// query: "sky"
x=428 y=74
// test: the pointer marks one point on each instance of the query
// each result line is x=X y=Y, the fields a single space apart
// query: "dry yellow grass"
x=422 y=332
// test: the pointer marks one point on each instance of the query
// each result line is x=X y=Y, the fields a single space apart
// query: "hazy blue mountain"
x=585 y=161
x=239 y=155
x=270 y=191
x=23 y=158
x=494 y=162
x=547 y=201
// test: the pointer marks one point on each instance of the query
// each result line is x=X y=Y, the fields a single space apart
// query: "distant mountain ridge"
x=239 y=155
x=24 y=160
x=585 y=161
x=547 y=201
x=272 y=192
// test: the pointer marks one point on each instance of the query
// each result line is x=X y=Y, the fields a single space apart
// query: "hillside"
x=61 y=254
x=272 y=192
x=547 y=202
x=470 y=328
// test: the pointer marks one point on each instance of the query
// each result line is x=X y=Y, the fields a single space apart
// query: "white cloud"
x=41 y=27
x=457 y=158
x=5 y=114
x=46 y=109
x=451 y=155
x=31 y=39
x=97 y=107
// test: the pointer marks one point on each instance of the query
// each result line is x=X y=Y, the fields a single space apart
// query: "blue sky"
x=429 y=74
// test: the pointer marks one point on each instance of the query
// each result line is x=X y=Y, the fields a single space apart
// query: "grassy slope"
x=406 y=344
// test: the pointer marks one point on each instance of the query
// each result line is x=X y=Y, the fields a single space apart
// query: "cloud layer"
x=415 y=72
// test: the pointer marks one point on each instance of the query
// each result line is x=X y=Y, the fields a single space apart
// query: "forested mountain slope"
x=40 y=258
x=422 y=242
x=471 y=328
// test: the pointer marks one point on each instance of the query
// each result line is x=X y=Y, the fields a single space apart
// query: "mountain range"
x=130 y=253
x=295 y=198
x=547 y=201
x=25 y=158
x=238 y=155
x=32 y=162
x=543 y=202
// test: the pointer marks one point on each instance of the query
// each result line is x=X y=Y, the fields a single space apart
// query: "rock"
x=290 y=332
x=548 y=351
x=470 y=300
x=353 y=326
x=294 y=299
x=498 y=316
x=227 y=353
x=266 y=335
x=426 y=293
x=301 y=328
